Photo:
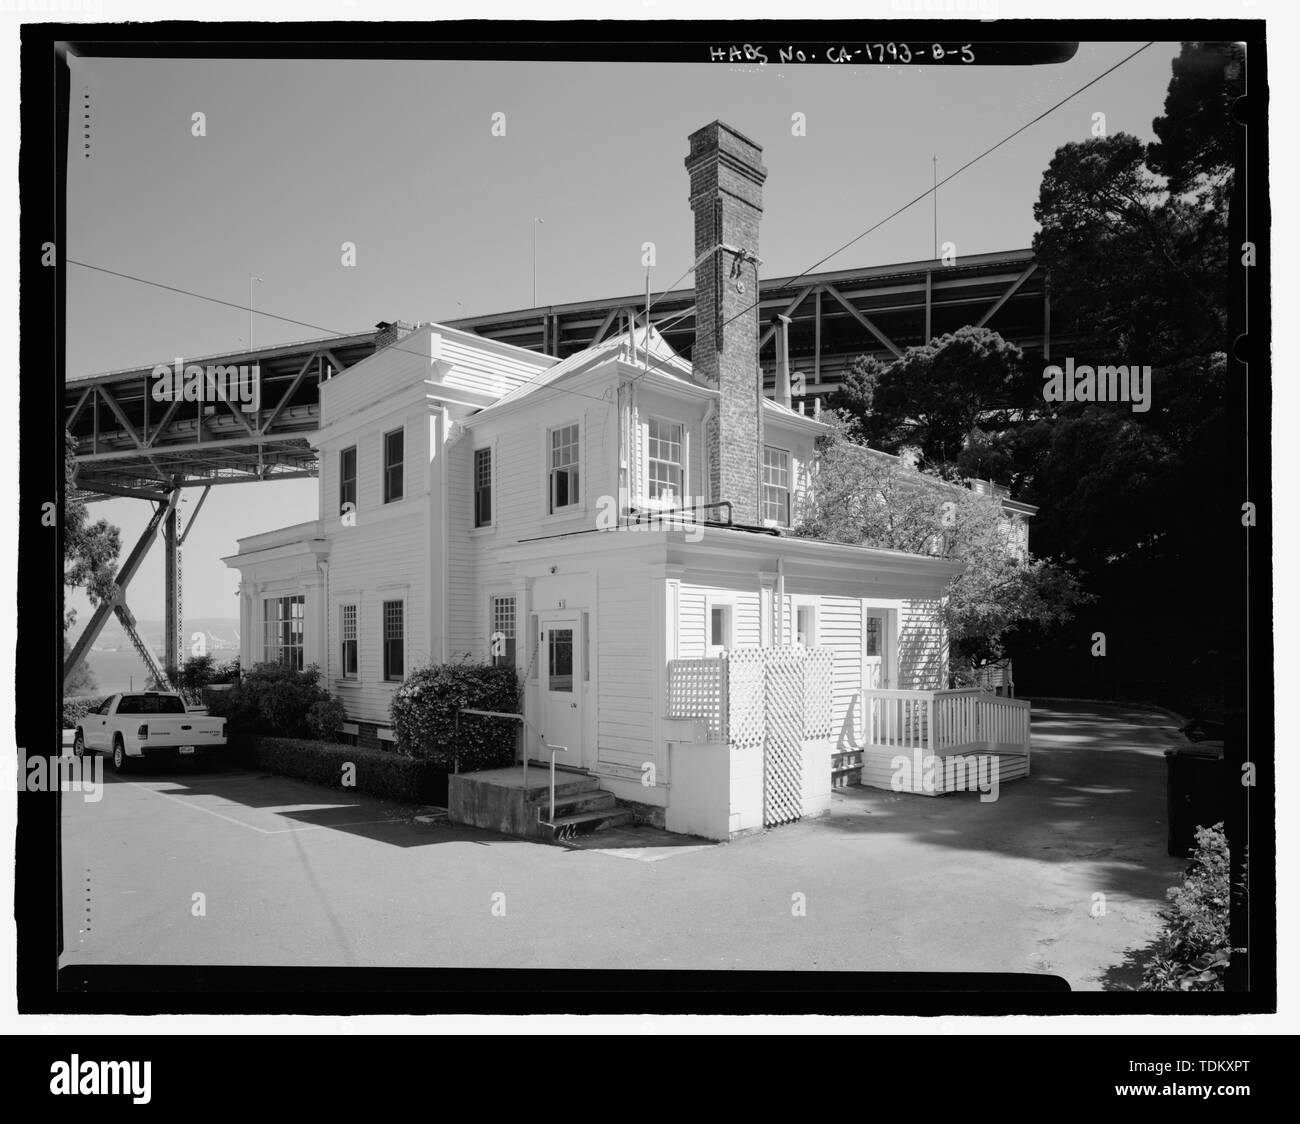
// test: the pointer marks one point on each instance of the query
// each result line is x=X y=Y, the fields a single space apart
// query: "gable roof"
x=631 y=347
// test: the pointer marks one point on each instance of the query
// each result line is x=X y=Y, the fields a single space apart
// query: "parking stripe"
x=252 y=827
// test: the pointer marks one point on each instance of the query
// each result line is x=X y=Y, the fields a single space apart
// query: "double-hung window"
x=482 y=487
x=394 y=640
x=665 y=468
x=776 y=485
x=564 y=460
x=503 y=632
x=348 y=480
x=348 y=635
x=394 y=476
x=282 y=635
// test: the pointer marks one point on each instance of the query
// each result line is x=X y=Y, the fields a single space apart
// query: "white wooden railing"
x=945 y=722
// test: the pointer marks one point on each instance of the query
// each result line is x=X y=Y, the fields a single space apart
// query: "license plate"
x=186 y=749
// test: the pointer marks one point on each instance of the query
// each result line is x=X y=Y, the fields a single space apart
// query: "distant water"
x=118 y=671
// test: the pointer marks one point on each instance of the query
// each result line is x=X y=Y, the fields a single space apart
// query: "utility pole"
x=935 y=192
x=536 y=223
x=251 y=280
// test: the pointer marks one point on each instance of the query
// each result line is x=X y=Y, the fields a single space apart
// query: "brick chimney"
x=388 y=333
x=727 y=175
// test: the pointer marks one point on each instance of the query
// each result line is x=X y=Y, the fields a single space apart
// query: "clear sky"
x=399 y=158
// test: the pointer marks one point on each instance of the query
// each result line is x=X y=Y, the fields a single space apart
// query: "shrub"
x=1192 y=953
x=76 y=707
x=325 y=719
x=375 y=771
x=226 y=672
x=423 y=713
x=272 y=699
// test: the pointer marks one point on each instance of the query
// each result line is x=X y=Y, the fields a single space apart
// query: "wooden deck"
x=948 y=740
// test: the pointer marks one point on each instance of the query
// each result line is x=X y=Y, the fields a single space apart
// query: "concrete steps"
x=581 y=808
x=500 y=800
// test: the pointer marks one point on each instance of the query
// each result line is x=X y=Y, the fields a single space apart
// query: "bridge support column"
x=171 y=589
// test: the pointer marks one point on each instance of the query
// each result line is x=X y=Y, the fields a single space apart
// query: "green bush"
x=423 y=713
x=272 y=699
x=325 y=719
x=1193 y=952
x=76 y=707
x=376 y=772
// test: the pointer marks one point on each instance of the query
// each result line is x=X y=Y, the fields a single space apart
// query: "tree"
x=1195 y=148
x=934 y=395
x=868 y=498
x=82 y=679
x=1137 y=273
x=90 y=550
x=855 y=396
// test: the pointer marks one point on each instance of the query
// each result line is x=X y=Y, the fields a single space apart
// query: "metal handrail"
x=498 y=714
x=554 y=750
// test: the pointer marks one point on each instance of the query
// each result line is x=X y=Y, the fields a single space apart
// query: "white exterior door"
x=875 y=659
x=560 y=665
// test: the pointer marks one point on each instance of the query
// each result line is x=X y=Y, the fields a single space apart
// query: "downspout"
x=323 y=565
x=780 y=601
x=442 y=545
x=437 y=465
x=707 y=450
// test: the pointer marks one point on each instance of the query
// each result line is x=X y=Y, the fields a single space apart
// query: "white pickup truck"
x=147 y=724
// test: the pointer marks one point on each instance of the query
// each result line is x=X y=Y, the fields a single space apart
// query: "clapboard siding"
x=922 y=646
x=495 y=372
x=479 y=366
x=692 y=627
x=624 y=717
x=385 y=562
x=466 y=607
x=382 y=376
x=839 y=628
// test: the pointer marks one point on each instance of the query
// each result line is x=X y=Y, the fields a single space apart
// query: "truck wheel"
x=119 y=755
x=79 y=745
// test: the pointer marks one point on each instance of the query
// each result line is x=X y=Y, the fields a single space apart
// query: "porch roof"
x=698 y=543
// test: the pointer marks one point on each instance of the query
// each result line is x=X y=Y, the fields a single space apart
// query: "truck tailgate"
x=183 y=729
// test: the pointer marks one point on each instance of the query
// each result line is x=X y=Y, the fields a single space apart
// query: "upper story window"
x=394 y=476
x=667 y=470
x=776 y=485
x=564 y=467
x=348 y=480
x=482 y=487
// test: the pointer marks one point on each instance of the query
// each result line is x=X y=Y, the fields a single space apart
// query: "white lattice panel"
x=783 y=746
x=818 y=681
x=746 y=714
x=698 y=689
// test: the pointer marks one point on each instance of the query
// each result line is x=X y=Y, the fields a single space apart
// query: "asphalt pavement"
x=181 y=865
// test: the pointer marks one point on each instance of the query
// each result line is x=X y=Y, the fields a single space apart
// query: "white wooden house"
x=604 y=516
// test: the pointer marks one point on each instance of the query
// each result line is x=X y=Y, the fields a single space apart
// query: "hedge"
x=278 y=701
x=423 y=713
x=376 y=772
x=76 y=707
